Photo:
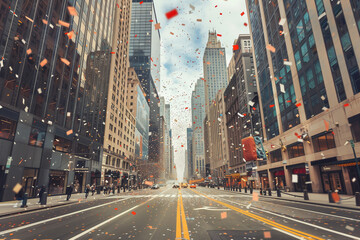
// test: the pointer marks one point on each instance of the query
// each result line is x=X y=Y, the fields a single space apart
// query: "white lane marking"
x=110 y=219
x=290 y=234
x=173 y=196
x=107 y=221
x=54 y=218
x=299 y=221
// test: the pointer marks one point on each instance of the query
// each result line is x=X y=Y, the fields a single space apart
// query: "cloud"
x=183 y=41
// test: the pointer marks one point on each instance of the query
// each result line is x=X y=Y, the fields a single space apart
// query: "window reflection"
x=7 y=128
x=61 y=144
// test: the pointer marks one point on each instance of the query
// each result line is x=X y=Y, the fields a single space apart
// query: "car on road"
x=184 y=185
x=175 y=186
x=193 y=186
x=155 y=186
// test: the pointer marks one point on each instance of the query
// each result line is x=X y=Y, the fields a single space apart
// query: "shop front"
x=351 y=169
x=299 y=178
x=332 y=178
x=80 y=179
x=29 y=181
x=279 y=178
x=264 y=180
x=57 y=182
x=95 y=177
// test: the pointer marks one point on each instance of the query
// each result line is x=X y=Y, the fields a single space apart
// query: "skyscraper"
x=189 y=163
x=307 y=69
x=144 y=57
x=214 y=66
x=45 y=95
x=198 y=114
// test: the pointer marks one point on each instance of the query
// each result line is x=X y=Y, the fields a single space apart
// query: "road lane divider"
x=182 y=230
x=264 y=220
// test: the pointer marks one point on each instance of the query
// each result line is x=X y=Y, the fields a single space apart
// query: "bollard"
x=118 y=188
x=357 y=198
x=251 y=190
x=264 y=192
x=245 y=189
x=261 y=191
x=270 y=192
x=24 y=201
x=43 y=199
x=306 y=195
x=98 y=189
x=240 y=188
x=278 y=193
x=331 y=199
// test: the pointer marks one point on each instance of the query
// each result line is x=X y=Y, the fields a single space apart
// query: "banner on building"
x=249 y=149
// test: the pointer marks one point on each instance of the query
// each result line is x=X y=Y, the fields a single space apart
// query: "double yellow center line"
x=181 y=220
x=264 y=220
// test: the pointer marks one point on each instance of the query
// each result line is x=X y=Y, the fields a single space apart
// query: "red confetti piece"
x=346 y=104
x=298 y=104
x=151 y=20
x=171 y=14
x=220 y=13
x=135 y=35
x=116 y=209
x=235 y=47
x=242 y=14
x=288 y=101
x=112 y=52
x=148 y=206
x=141 y=2
x=219 y=35
x=272 y=105
x=133 y=213
x=245 y=24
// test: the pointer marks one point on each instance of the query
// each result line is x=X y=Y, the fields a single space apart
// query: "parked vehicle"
x=155 y=186
x=175 y=186
x=184 y=185
x=193 y=186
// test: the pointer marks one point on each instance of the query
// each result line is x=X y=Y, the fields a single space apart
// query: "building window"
x=61 y=144
x=37 y=134
x=7 y=128
x=275 y=156
x=323 y=141
x=355 y=127
x=296 y=150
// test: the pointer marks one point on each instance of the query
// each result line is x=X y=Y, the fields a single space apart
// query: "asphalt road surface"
x=200 y=213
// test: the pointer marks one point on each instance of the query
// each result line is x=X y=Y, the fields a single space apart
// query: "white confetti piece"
x=251 y=103
x=282 y=21
x=26 y=109
x=287 y=63
x=23 y=41
x=349 y=228
x=10 y=68
x=322 y=98
x=282 y=88
x=39 y=90
x=68 y=114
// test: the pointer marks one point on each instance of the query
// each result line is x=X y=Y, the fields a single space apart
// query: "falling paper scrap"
x=43 y=62
x=282 y=88
x=157 y=26
x=251 y=103
x=29 y=51
x=69 y=132
x=17 y=188
x=270 y=48
x=223 y=215
x=72 y=11
x=287 y=63
x=65 y=24
x=64 y=60
x=171 y=14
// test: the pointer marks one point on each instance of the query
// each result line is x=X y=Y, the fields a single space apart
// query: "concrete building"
x=144 y=55
x=138 y=106
x=214 y=67
x=119 y=140
x=242 y=106
x=189 y=163
x=198 y=114
x=51 y=122
x=309 y=102
x=217 y=137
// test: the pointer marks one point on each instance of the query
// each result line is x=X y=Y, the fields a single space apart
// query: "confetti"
x=141 y=2
x=255 y=196
x=346 y=104
x=29 y=19
x=133 y=213
x=70 y=34
x=157 y=26
x=43 y=62
x=287 y=63
x=242 y=14
x=17 y=188
x=69 y=132
x=298 y=104
x=282 y=21
x=223 y=215
x=64 y=24
x=327 y=125
x=171 y=14
x=64 y=60
x=267 y=234
x=72 y=11
x=29 y=51
x=235 y=47
x=272 y=105
x=270 y=48
x=45 y=21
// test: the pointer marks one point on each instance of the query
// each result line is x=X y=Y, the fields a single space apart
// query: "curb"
x=35 y=209
x=306 y=202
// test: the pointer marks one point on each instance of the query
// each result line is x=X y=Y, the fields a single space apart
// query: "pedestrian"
x=87 y=190
x=105 y=190
x=69 y=190
x=93 y=189
x=41 y=192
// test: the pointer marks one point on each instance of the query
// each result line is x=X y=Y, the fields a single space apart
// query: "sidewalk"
x=346 y=201
x=7 y=208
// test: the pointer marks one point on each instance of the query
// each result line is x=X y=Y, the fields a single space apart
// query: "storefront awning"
x=327 y=162
x=233 y=175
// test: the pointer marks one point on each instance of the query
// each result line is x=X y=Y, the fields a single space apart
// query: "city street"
x=168 y=213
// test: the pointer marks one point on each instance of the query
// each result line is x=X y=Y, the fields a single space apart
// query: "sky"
x=183 y=41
